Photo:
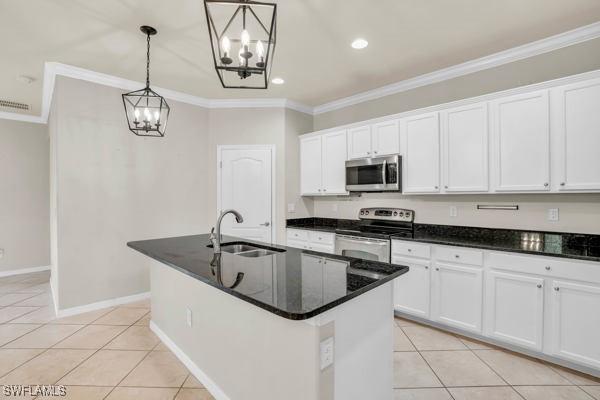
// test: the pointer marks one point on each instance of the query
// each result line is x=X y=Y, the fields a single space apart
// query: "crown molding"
x=532 y=49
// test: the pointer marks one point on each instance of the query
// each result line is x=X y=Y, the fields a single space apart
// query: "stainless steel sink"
x=247 y=250
x=255 y=253
x=237 y=248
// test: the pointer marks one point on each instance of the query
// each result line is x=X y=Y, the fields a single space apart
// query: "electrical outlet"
x=453 y=211
x=326 y=348
x=1 y=253
x=553 y=214
x=334 y=208
x=188 y=317
x=291 y=207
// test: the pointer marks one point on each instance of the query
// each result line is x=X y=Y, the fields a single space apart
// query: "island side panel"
x=247 y=352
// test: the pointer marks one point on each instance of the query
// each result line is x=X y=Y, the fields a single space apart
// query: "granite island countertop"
x=292 y=283
x=553 y=244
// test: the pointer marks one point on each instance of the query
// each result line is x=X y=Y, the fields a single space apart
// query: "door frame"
x=271 y=148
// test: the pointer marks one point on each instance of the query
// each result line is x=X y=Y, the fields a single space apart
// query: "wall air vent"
x=14 y=105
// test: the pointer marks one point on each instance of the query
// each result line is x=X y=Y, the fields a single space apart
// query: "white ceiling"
x=406 y=38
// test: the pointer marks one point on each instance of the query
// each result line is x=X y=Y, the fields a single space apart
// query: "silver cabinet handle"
x=436 y=187
x=368 y=152
x=539 y=285
x=445 y=186
x=437 y=269
x=267 y=224
x=426 y=267
x=547 y=268
x=324 y=190
x=557 y=288
x=546 y=184
x=456 y=256
x=562 y=184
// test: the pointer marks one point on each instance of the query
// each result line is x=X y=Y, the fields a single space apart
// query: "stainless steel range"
x=371 y=240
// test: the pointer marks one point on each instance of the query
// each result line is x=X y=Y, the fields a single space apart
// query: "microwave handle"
x=384 y=172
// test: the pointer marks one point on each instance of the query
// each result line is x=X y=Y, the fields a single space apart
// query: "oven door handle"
x=355 y=239
x=384 y=172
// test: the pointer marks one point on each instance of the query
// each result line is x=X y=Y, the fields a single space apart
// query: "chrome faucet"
x=215 y=233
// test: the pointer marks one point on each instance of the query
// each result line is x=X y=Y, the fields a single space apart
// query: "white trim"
x=66 y=312
x=532 y=49
x=272 y=149
x=22 y=271
x=208 y=383
x=54 y=294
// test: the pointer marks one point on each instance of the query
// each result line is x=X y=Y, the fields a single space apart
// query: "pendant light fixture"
x=242 y=37
x=147 y=112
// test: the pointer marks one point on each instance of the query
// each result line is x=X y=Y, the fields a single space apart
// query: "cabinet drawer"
x=411 y=249
x=299 y=244
x=321 y=237
x=297 y=234
x=546 y=266
x=459 y=255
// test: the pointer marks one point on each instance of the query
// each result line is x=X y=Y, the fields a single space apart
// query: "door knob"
x=267 y=224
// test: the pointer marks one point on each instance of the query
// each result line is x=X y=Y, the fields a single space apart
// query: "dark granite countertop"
x=292 y=283
x=553 y=244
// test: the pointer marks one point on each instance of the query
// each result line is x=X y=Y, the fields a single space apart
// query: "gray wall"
x=24 y=209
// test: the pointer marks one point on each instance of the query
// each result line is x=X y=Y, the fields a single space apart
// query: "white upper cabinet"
x=420 y=137
x=578 y=136
x=385 y=138
x=322 y=164
x=334 y=163
x=465 y=148
x=359 y=142
x=521 y=142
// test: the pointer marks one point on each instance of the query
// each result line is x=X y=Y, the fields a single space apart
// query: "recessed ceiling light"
x=359 y=44
x=278 y=81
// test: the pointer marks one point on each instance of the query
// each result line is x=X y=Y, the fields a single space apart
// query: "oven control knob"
x=401 y=214
x=367 y=212
x=362 y=213
x=395 y=213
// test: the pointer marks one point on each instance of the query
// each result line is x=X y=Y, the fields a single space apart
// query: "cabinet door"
x=421 y=154
x=386 y=138
x=515 y=309
x=412 y=290
x=578 y=136
x=576 y=322
x=359 y=142
x=465 y=148
x=457 y=296
x=520 y=125
x=334 y=163
x=310 y=165
x=334 y=279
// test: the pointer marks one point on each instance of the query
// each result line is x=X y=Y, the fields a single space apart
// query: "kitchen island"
x=274 y=322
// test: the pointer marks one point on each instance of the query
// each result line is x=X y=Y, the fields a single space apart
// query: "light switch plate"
x=453 y=211
x=334 y=207
x=553 y=214
x=188 y=317
x=291 y=207
x=326 y=348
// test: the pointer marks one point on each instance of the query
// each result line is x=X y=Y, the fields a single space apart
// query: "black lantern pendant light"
x=242 y=37
x=147 y=112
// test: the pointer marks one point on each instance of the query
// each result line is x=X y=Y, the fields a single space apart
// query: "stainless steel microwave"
x=378 y=174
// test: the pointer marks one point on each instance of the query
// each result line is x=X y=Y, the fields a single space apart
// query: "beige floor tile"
x=12 y=358
x=159 y=369
x=425 y=338
x=575 y=377
x=552 y=393
x=46 y=368
x=421 y=394
x=194 y=394
x=137 y=304
x=593 y=391
x=145 y=320
x=11 y=312
x=461 y=368
x=161 y=347
x=411 y=371
x=476 y=344
x=81 y=393
x=401 y=322
x=104 y=368
x=134 y=338
x=192 y=382
x=91 y=337
x=485 y=393
x=518 y=370
x=12 y=298
x=42 y=315
x=15 y=287
x=33 y=288
x=401 y=342
x=128 y=393
x=44 y=337
x=122 y=316
x=85 y=318
x=40 y=300
x=9 y=332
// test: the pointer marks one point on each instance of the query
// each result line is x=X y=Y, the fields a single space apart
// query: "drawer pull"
x=547 y=268
x=539 y=285
x=437 y=269
x=409 y=250
x=456 y=256
x=557 y=288
x=426 y=267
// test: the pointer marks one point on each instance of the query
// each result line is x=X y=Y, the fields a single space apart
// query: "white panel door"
x=359 y=142
x=421 y=153
x=386 y=138
x=465 y=148
x=576 y=322
x=412 y=290
x=334 y=155
x=246 y=186
x=521 y=131
x=515 y=309
x=578 y=136
x=457 y=296
x=310 y=165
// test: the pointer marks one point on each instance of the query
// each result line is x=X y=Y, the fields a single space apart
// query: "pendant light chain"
x=148 y=63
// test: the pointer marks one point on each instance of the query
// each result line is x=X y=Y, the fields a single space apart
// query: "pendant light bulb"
x=245 y=38
x=136 y=112
x=156 y=116
x=260 y=49
x=147 y=114
x=226 y=45
x=242 y=60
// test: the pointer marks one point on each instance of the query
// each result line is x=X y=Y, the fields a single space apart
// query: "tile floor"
x=112 y=354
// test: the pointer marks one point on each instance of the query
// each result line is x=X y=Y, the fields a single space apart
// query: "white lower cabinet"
x=576 y=322
x=515 y=309
x=411 y=290
x=457 y=296
x=323 y=242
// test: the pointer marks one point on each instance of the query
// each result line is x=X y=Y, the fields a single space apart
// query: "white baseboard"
x=22 y=271
x=67 y=312
x=208 y=383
